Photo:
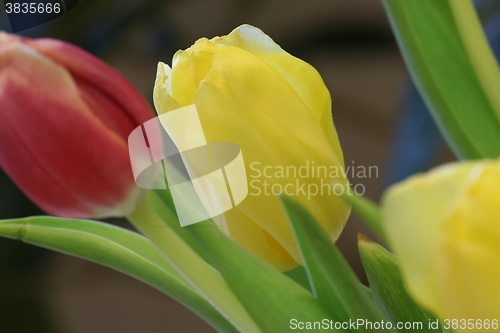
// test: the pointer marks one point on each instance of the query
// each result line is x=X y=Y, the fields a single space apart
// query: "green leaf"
x=382 y=269
x=166 y=197
x=271 y=298
x=333 y=281
x=117 y=248
x=454 y=70
x=299 y=275
x=478 y=50
x=200 y=275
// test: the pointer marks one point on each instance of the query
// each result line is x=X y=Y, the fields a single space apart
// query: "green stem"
x=203 y=277
x=368 y=211
x=160 y=204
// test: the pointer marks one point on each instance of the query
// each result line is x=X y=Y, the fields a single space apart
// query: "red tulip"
x=65 y=117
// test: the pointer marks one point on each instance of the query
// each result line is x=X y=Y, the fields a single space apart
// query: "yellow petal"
x=162 y=93
x=183 y=80
x=272 y=125
x=303 y=77
x=277 y=109
x=469 y=252
x=245 y=232
x=414 y=213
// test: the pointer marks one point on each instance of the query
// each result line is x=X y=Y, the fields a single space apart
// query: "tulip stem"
x=161 y=203
x=369 y=213
x=204 y=278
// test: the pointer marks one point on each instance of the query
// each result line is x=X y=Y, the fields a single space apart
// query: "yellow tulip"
x=445 y=227
x=250 y=92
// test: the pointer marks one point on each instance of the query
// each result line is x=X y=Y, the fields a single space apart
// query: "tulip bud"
x=444 y=226
x=277 y=109
x=64 y=121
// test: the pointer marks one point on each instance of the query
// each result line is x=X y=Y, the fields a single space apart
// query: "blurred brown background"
x=349 y=42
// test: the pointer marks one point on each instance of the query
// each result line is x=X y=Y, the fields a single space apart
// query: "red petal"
x=51 y=143
x=84 y=67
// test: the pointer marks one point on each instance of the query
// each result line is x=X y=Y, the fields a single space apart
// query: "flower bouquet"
x=239 y=179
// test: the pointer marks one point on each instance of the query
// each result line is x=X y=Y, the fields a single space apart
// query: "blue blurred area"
x=492 y=29
x=418 y=144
